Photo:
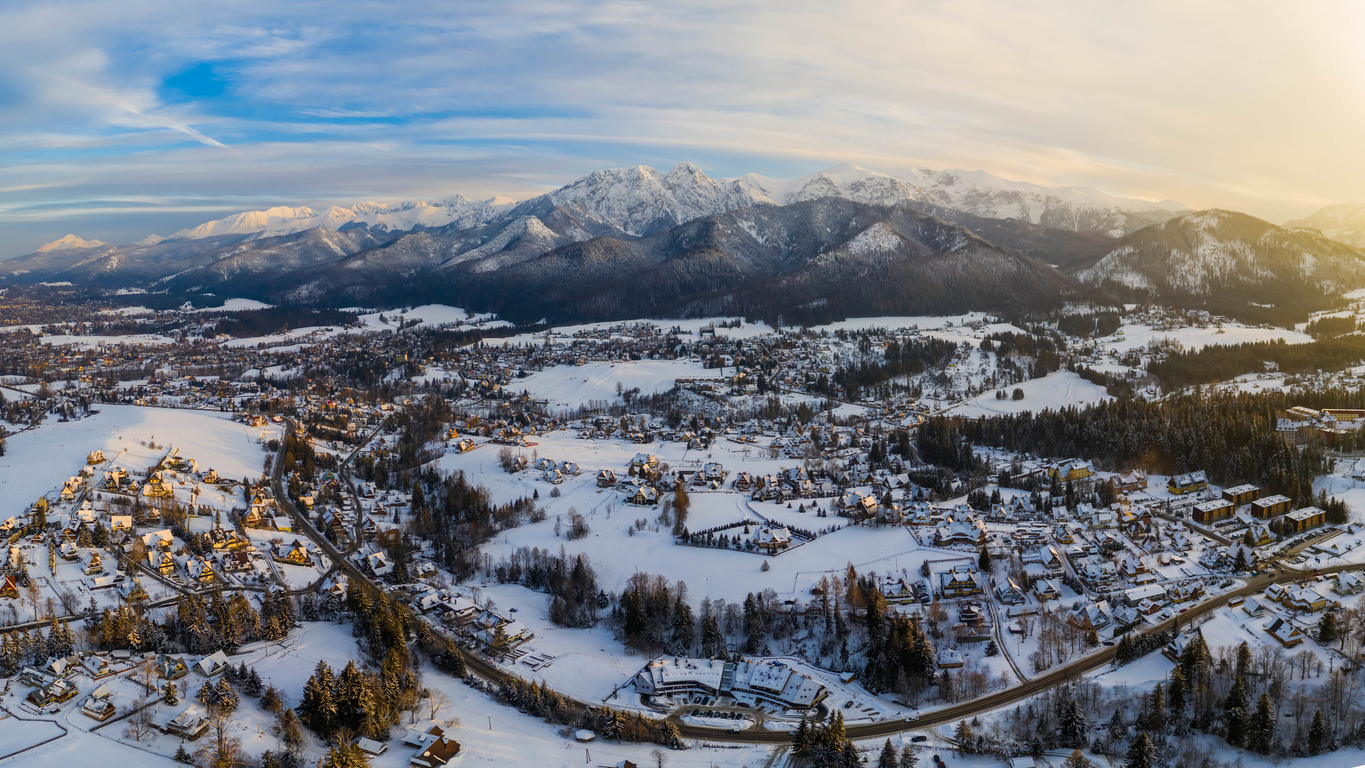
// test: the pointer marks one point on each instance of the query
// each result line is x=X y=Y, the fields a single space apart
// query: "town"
x=703 y=537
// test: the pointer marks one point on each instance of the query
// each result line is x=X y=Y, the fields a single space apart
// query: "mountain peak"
x=70 y=242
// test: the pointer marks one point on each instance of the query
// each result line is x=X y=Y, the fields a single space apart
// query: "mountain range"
x=635 y=241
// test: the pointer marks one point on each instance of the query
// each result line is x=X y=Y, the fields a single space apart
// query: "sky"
x=120 y=119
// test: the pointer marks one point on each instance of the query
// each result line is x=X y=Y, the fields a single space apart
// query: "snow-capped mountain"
x=380 y=217
x=70 y=243
x=1343 y=222
x=638 y=201
x=1079 y=209
x=1229 y=256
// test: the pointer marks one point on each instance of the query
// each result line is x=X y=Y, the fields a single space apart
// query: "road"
x=862 y=731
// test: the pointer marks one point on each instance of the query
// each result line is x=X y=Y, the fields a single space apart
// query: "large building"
x=1270 y=506
x=1213 y=511
x=1190 y=482
x=961 y=581
x=1301 y=520
x=764 y=681
x=1241 y=494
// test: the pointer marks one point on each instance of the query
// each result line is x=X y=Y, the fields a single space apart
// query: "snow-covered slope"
x=70 y=243
x=1229 y=254
x=1343 y=222
x=379 y=217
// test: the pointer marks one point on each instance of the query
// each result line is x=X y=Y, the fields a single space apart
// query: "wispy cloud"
x=322 y=102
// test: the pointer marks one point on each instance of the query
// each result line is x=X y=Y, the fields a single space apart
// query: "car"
x=732 y=729
x=912 y=718
x=919 y=739
x=1109 y=642
x=1186 y=608
x=848 y=703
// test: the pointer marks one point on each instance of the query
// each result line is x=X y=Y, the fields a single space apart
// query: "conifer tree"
x=887 y=759
x=1235 y=713
x=1141 y=753
x=1319 y=734
x=1261 y=733
x=908 y=758
x=1073 y=728
x=170 y=694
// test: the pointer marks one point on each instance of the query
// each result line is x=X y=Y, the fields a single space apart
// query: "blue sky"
x=119 y=119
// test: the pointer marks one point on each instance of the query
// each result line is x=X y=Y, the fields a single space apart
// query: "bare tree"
x=660 y=757
x=222 y=749
x=437 y=702
x=139 y=721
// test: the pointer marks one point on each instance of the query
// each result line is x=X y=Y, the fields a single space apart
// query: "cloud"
x=1236 y=104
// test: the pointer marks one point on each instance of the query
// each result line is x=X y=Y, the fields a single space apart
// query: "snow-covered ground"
x=567 y=386
x=1195 y=337
x=38 y=461
x=1057 y=390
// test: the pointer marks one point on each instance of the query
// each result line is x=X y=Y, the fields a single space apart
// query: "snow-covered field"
x=1055 y=391
x=573 y=386
x=39 y=460
x=1196 y=338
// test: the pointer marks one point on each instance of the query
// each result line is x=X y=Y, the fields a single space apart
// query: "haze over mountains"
x=634 y=241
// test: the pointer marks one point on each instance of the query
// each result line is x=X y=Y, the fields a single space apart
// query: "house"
x=1304 y=599
x=189 y=723
x=199 y=570
x=1189 y=482
x=1090 y=616
x=552 y=476
x=1270 y=506
x=371 y=747
x=210 y=665
x=1047 y=589
x=1067 y=471
x=645 y=495
x=570 y=468
x=606 y=478
x=53 y=693
x=1183 y=593
x=1241 y=494
x=294 y=554
x=897 y=591
x=772 y=539
x=1131 y=481
x=961 y=581
x=1151 y=592
x=1008 y=592
x=1176 y=648
x=131 y=590
x=161 y=562
x=970 y=531
x=1254 y=607
x=949 y=658
x=464 y=446
x=1301 y=520
x=98 y=705
x=93 y=563
x=1288 y=634
x=1260 y=534
x=1348 y=583
x=171 y=667
x=1210 y=512
x=439 y=752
